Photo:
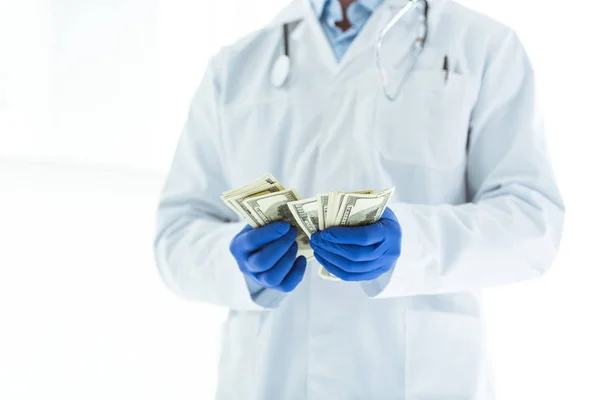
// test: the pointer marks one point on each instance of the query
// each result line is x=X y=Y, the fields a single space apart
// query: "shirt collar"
x=319 y=5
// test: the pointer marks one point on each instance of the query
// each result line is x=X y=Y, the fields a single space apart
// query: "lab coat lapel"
x=318 y=38
x=314 y=35
x=309 y=31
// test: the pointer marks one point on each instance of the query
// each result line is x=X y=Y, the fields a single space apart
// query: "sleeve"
x=194 y=226
x=511 y=228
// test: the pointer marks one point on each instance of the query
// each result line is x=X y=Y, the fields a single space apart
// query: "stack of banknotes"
x=266 y=200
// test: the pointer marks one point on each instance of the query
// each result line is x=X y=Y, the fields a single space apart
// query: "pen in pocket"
x=446 y=68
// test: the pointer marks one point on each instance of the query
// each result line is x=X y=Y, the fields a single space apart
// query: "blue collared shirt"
x=329 y=12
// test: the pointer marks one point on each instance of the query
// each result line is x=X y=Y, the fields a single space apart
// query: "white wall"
x=83 y=314
x=108 y=82
x=92 y=98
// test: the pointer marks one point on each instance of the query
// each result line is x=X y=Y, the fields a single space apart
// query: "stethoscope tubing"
x=281 y=69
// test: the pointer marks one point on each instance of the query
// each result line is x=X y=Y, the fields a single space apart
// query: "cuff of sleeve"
x=403 y=278
x=266 y=298
x=237 y=290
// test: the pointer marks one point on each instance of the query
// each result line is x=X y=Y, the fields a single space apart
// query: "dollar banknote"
x=266 y=179
x=330 y=204
x=322 y=203
x=305 y=212
x=333 y=204
x=308 y=212
x=324 y=274
x=273 y=207
x=362 y=209
x=234 y=199
x=265 y=201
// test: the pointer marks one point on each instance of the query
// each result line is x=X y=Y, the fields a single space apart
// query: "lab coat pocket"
x=427 y=124
x=443 y=356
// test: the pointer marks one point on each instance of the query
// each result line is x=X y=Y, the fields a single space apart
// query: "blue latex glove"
x=360 y=253
x=267 y=255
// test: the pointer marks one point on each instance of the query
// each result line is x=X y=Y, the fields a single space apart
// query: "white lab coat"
x=475 y=196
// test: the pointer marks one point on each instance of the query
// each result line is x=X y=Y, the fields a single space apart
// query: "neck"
x=345 y=3
x=344 y=24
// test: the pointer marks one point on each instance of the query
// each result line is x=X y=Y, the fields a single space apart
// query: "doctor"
x=453 y=126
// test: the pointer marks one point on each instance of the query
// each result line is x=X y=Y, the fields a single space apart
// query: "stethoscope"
x=282 y=67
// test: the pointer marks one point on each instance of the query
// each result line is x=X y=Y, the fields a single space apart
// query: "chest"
x=324 y=129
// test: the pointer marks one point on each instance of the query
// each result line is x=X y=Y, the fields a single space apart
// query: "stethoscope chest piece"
x=280 y=71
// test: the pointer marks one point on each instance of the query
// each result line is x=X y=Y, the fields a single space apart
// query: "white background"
x=92 y=98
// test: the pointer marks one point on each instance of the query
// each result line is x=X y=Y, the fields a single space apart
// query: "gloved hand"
x=268 y=256
x=360 y=253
